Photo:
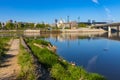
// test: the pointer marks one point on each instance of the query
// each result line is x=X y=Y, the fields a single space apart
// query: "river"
x=95 y=53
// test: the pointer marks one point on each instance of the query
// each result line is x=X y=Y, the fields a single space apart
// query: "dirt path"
x=10 y=67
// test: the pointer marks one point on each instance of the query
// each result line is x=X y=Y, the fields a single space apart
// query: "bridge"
x=109 y=26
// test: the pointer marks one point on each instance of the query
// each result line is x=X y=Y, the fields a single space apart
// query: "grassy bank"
x=26 y=63
x=58 y=67
x=3 y=47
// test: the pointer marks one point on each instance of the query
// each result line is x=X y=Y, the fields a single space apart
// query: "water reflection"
x=73 y=36
x=91 y=63
x=67 y=36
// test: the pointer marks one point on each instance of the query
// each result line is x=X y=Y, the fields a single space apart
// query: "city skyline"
x=49 y=10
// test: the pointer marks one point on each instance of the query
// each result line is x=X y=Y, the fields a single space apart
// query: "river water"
x=96 y=52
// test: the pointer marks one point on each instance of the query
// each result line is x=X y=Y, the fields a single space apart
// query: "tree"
x=21 y=25
x=26 y=25
x=40 y=25
x=10 y=25
x=47 y=25
x=16 y=24
x=82 y=25
x=31 y=25
x=0 y=25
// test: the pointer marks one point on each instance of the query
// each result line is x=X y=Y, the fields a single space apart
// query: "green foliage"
x=26 y=62
x=57 y=71
x=21 y=25
x=94 y=76
x=47 y=25
x=0 y=25
x=29 y=25
x=67 y=73
x=3 y=44
x=45 y=56
x=82 y=37
x=40 y=26
x=10 y=25
x=41 y=42
x=24 y=25
x=59 y=68
x=82 y=25
x=67 y=27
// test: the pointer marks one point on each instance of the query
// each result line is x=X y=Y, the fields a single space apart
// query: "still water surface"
x=96 y=54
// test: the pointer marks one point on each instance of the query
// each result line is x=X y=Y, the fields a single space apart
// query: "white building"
x=61 y=24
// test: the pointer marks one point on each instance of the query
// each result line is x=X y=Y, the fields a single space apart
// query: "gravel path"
x=10 y=68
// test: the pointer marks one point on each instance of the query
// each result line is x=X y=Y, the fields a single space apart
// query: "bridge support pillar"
x=109 y=34
x=118 y=28
x=118 y=34
x=109 y=29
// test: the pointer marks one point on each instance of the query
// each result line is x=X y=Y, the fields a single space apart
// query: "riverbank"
x=82 y=30
x=40 y=63
x=65 y=30
x=54 y=31
x=58 y=68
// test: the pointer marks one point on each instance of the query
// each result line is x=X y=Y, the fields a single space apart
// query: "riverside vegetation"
x=59 y=68
x=3 y=47
x=25 y=61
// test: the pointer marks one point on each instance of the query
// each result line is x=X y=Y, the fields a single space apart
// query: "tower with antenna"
x=78 y=19
x=68 y=19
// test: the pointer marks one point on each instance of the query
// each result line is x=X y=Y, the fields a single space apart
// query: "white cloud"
x=109 y=15
x=107 y=10
x=95 y=1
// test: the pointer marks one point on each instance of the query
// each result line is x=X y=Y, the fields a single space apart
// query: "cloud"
x=95 y=1
x=108 y=13
x=92 y=62
x=107 y=10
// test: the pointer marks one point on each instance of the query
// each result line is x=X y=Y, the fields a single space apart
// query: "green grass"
x=45 y=56
x=25 y=60
x=3 y=49
x=59 y=68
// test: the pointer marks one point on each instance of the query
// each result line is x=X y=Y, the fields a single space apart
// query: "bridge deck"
x=108 y=25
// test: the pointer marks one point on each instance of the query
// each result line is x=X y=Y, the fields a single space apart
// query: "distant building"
x=74 y=24
x=10 y=21
x=99 y=23
x=87 y=23
x=60 y=23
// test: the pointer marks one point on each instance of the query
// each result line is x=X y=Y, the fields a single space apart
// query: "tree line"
x=22 y=25
x=10 y=25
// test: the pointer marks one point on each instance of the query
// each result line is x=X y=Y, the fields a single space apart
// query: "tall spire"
x=68 y=19
x=79 y=19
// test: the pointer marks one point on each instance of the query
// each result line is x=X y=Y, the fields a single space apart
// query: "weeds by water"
x=27 y=67
x=59 y=68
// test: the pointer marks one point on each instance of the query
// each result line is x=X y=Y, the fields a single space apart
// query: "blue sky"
x=48 y=10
